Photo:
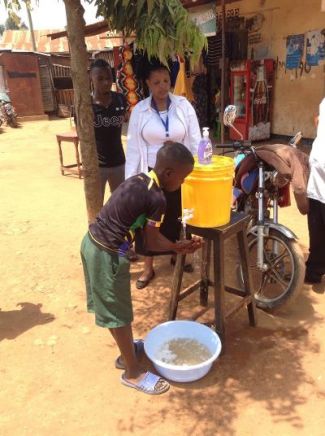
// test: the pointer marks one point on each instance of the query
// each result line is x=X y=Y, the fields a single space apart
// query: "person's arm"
x=155 y=241
x=133 y=157
x=193 y=129
x=316 y=120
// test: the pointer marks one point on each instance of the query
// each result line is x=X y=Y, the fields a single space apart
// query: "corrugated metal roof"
x=21 y=40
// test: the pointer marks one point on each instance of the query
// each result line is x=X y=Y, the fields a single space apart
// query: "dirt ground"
x=57 y=367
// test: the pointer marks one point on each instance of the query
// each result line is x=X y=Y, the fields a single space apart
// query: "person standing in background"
x=161 y=118
x=109 y=113
x=315 y=265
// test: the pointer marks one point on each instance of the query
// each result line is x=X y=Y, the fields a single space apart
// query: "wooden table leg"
x=218 y=254
x=248 y=284
x=176 y=285
x=76 y=143
x=60 y=156
x=205 y=267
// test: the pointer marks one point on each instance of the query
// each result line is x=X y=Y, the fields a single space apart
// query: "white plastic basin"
x=182 y=329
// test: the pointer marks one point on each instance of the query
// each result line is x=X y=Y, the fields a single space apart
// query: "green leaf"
x=162 y=27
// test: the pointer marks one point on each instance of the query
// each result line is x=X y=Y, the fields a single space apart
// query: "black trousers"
x=316 y=225
x=170 y=227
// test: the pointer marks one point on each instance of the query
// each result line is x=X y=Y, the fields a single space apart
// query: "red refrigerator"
x=251 y=91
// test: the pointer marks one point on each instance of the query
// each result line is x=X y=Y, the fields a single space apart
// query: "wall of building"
x=296 y=97
x=60 y=59
x=23 y=81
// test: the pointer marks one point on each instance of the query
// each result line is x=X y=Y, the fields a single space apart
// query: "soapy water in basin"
x=183 y=352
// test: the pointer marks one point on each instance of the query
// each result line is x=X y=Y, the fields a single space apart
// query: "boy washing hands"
x=137 y=203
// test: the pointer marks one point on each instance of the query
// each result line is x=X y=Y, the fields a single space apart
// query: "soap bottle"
x=205 y=148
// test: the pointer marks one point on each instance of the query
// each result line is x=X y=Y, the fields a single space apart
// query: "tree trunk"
x=83 y=109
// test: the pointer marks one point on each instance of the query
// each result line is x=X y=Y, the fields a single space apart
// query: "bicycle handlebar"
x=237 y=145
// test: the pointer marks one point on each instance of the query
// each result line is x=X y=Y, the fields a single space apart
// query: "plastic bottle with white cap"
x=205 y=148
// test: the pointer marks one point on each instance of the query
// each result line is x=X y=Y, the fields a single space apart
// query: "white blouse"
x=142 y=114
x=316 y=183
x=154 y=132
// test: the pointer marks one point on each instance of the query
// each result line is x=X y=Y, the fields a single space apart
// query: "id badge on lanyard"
x=164 y=122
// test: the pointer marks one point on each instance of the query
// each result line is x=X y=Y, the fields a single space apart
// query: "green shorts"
x=107 y=277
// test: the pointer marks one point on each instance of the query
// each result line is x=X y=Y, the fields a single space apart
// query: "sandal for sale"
x=151 y=384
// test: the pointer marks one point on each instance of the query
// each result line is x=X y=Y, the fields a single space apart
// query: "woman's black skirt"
x=171 y=225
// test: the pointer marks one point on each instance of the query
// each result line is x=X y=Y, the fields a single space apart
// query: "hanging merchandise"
x=217 y=121
x=200 y=101
x=126 y=79
x=214 y=50
x=183 y=85
x=174 y=69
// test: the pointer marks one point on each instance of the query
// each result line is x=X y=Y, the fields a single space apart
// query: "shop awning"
x=102 y=26
x=90 y=30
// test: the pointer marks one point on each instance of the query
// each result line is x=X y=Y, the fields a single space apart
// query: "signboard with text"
x=205 y=18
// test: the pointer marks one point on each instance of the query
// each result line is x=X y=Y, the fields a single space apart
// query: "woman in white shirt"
x=315 y=265
x=160 y=118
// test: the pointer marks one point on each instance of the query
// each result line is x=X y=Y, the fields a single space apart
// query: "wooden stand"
x=214 y=239
x=73 y=168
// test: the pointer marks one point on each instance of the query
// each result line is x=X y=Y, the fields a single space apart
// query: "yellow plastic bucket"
x=208 y=191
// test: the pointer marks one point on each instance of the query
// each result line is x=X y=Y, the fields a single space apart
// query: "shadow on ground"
x=15 y=322
x=263 y=364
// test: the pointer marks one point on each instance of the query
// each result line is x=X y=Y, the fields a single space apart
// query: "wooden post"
x=31 y=27
x=82 y=105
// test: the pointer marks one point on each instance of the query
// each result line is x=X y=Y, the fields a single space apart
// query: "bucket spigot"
x=187 y=215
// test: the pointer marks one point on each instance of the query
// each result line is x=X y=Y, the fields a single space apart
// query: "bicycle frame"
x=260 y=217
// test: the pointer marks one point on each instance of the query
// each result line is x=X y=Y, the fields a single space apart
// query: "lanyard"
x=165 y=123
x=153 y=176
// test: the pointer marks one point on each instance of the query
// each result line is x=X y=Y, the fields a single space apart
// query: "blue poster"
x=295 y=49
x=322 y=46
x=312 y=48
x=315 y=50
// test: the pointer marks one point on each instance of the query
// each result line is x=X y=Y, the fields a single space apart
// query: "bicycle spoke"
x=276 y=276
x=261 y=288
x=278 y=259
x=274 y=281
